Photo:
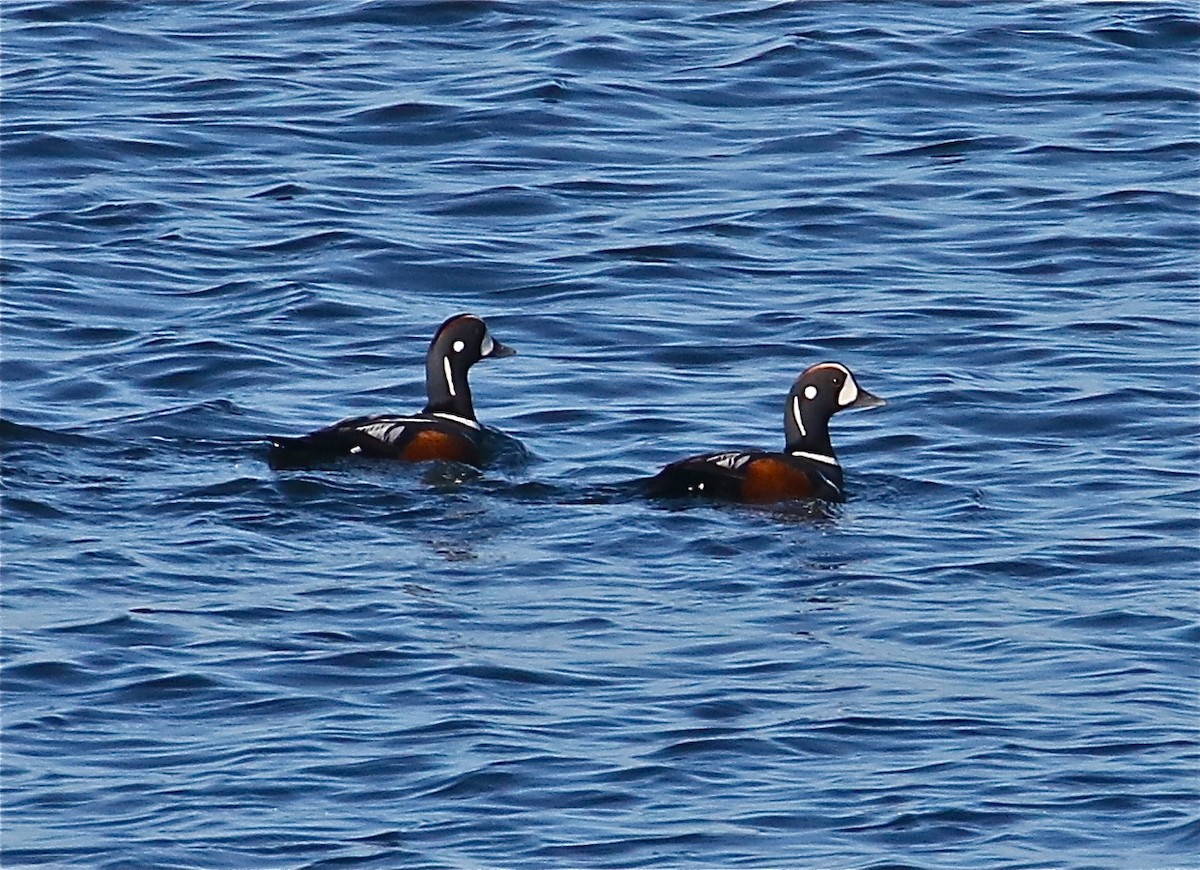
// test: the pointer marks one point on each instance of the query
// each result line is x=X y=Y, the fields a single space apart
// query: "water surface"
x=226 y=220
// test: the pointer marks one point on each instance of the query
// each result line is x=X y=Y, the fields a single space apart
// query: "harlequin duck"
x=445 y=429
x=807 y=468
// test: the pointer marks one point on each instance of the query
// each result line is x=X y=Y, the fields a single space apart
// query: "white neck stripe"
x=796 y=415
x=457 y=419
x=816 y=457
x=449 y=375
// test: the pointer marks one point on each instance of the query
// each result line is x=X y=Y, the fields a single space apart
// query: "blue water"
x=227 y=220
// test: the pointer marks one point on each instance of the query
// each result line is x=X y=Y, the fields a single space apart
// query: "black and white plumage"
x=807 y=467
x=445 y=429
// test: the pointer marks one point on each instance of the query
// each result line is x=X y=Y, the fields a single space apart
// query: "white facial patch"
x=796 y=412
x=449 y=375
x=458 y=345
x=849 y=391
x=810 y=392
x=488 y=345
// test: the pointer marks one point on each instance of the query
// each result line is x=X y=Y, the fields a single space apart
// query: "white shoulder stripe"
x=832 y=485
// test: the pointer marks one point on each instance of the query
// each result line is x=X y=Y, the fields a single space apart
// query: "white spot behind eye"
x=458 y=346
x=849 y=391
x=810 y=392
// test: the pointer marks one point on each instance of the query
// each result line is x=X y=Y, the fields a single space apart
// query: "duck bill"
x=498 y=350
x=866 y=400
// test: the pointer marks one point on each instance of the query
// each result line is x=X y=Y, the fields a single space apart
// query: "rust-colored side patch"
x=434 y=444
x=770 y=480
